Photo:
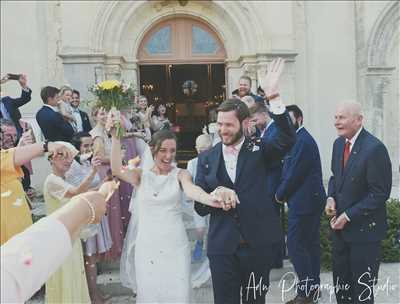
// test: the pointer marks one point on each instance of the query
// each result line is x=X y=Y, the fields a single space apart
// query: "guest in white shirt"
x=81 y=117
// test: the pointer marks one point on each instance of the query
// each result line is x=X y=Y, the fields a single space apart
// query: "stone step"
x=109 y=283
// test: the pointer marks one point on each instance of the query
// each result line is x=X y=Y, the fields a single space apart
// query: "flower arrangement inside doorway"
x=189 y=87
x=113 y=95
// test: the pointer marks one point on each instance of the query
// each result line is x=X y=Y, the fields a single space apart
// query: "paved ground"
x=387 y=292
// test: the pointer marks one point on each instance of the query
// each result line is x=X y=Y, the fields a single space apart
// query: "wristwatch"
x=45 y=146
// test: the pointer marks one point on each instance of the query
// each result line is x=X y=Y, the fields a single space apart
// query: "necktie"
x=231 y=150
x=346 y=153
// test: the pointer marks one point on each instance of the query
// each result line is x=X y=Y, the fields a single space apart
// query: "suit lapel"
x=215 y=161
x=355 y=151
x=340 y=151
x=242 y=158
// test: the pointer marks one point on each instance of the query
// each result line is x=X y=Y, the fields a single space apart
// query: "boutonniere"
x=254 y=144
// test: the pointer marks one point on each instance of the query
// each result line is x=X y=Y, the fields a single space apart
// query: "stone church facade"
x=334 y=51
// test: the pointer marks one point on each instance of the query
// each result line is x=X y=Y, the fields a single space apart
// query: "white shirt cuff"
x=347 y=218
x=276 y=106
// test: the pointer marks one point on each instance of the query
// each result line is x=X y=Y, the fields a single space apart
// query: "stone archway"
x=120 y=26
x=382 y=82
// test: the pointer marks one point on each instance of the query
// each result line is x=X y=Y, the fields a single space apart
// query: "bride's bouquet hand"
x=108 y=188
x=113 y=120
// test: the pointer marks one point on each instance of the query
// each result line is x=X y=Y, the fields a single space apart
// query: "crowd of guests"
x=61 y=120
x=358 y=188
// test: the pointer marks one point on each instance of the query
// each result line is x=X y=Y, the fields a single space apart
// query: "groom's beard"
x=238 y=135
x=296 y=125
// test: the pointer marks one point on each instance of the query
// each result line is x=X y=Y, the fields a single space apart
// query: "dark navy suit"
x=301 y=186
x=360 y=189
x=12 y=106
x=53 y=125
x=273 y=179
x=86 y=126
x=244 y=241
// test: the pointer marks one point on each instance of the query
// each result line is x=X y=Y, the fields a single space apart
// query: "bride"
x=162 y=252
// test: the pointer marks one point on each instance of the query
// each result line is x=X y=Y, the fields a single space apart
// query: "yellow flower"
x=109 y=84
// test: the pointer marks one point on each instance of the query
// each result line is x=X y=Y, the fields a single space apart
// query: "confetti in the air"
x=6 y=194
x=18 y=202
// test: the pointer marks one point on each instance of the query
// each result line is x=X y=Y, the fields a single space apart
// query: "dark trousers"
x=246 y=271
x=355 y=269
x=280 y=254
x=304 y=250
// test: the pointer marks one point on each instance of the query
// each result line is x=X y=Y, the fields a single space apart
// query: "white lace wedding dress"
x=157 y=242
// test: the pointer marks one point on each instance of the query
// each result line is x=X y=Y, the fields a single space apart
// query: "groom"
x=243 y=241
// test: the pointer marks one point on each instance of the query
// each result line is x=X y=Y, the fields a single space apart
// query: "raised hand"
x=23 y=81
x=96 y=162
x=26 y=139
x=113 y=118
x=270 y=81
x=61 y=150
x=108 y=188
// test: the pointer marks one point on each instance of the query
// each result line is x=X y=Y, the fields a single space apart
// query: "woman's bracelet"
x=92 y=211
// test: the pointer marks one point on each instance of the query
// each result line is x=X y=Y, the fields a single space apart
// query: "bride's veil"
x=127 y=262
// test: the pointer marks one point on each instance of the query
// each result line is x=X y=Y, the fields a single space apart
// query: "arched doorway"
x=182 y=64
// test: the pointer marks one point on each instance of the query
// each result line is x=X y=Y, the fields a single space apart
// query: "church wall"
x=79 y=43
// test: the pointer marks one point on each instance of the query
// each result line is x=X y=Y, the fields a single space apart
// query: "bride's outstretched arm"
x=130 y=176
x=195 y=192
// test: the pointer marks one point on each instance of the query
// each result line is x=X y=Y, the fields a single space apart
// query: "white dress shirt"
x=354 y=138
x=78 y=119
x=231 y=159
x=31 y=257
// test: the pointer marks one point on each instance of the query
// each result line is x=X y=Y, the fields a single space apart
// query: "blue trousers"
x=243 y=274
x=355 y=269
x=304 y=250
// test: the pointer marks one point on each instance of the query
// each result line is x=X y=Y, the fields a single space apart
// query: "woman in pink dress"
x=102 y=149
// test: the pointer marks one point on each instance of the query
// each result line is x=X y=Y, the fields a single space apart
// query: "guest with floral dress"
x=102 y=149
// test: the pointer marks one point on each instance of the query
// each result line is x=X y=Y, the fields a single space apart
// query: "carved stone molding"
x=384 y=31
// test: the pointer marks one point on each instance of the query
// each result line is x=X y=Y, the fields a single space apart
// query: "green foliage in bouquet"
x=113 y=94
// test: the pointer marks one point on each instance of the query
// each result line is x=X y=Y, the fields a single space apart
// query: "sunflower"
x=109 y=84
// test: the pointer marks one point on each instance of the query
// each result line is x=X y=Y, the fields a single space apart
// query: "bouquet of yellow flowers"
x=113 y=94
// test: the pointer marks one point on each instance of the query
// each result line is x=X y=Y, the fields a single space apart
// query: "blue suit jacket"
x=255 y=218
x=12 y=106
x=362 y=187
x=53 y=125
x=275 y=168
x=301 y=184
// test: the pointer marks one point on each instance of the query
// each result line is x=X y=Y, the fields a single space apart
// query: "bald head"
x=351 y=106
x=348 y=118
x=203 y=143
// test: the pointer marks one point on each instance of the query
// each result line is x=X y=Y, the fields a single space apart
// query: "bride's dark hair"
x=158 y=138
